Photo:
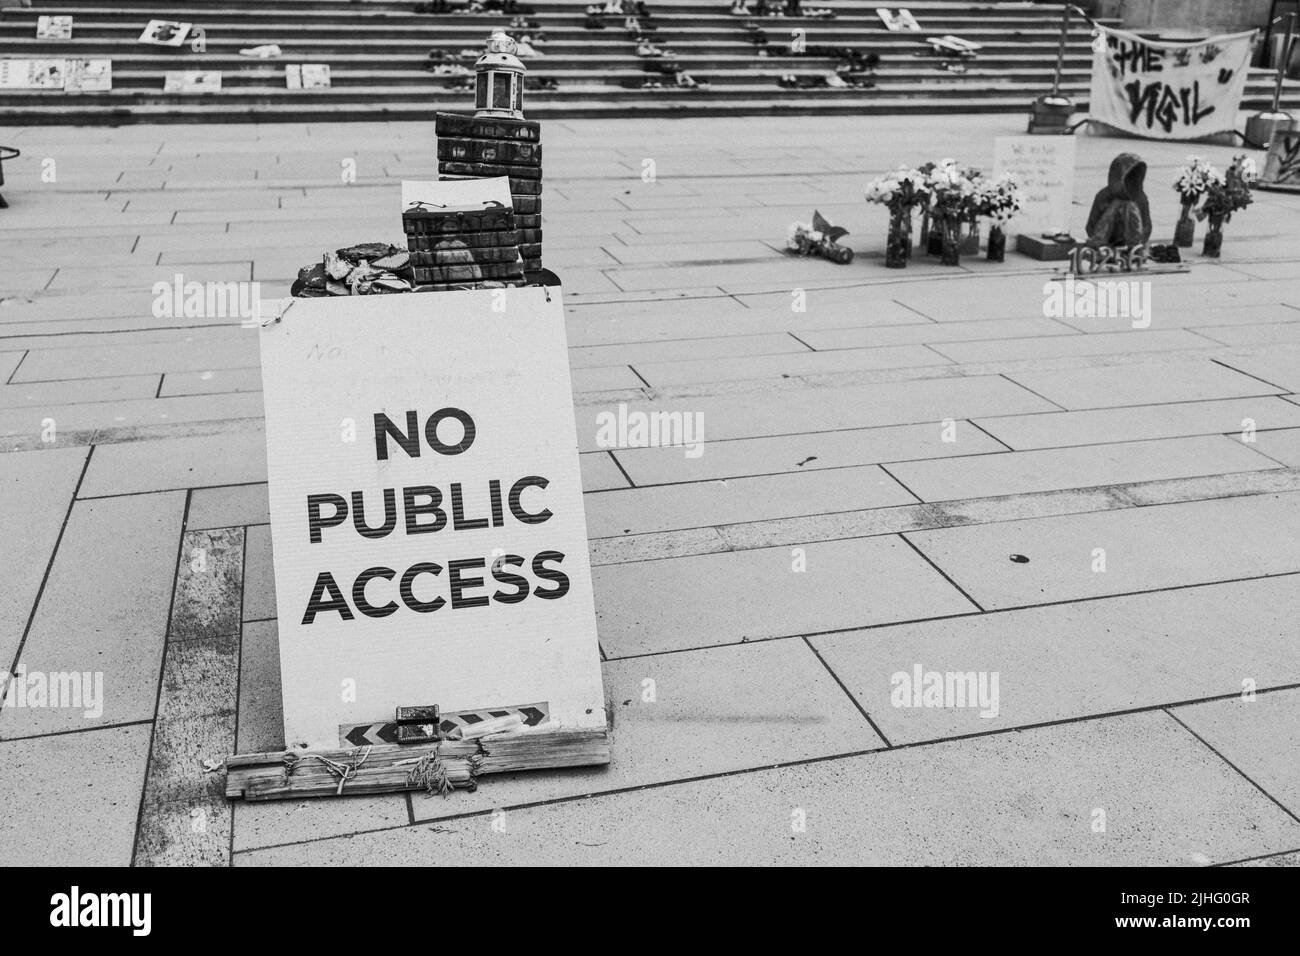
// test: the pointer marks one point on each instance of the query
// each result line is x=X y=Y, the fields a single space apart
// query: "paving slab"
x=1282 y=445
x=259 y=575
x=802 y=453
x=1259 y=735
x=689 y=320
x=36 y=489
x=228 y=506
x=1099 y=343
x=724 y=347
x=30 y=423
x=802 y=410
x=932 y=332
x=1135 y=423
x=606 y=378
x=1279 y=366
x=697 y=713
x=660 y=374
x=1011 y=800
x=1085 y=466
x=1142 y=384
x=212 y=381
x=94 y=618
x=72 y=799
x=728 y=501
x=8 y=362
x=1163 y=546
x=600 y=471
x=166 y=464
x=46 y=394
x=1179 y=315
x=236 y=349
x=1068 y=661
x=676 y=603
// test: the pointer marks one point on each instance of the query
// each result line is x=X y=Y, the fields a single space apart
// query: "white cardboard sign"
x=1043 y=167
x=307 y=76
x=440 y=193
x=165 y=33
x=192 y=81
x=468 y=585
x=33 y=74
x=89 y=76
x=54 y=28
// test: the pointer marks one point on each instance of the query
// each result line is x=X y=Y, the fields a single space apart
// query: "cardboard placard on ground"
x=1043 y=167
x=165 y=32
x=33 y=74
x=475 y=595
x=1282 y=166
x=54 y=28
x=307 y=76
x=89 y=76
x=192 y=81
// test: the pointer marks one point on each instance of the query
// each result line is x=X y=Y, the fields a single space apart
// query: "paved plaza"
x=903 y=472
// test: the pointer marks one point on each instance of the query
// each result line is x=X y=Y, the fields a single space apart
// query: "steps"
x=376 y=51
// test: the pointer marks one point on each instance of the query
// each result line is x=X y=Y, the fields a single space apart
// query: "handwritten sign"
x=1168 y=90
x=430 y=545
x=35 y=74
x=1043 y=167
x=89 y=76
x=192 y=81
x=1282 y=168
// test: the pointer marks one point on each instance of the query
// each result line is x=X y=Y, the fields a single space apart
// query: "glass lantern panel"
x=481 y=91
x=501 y=91
x=519 y=95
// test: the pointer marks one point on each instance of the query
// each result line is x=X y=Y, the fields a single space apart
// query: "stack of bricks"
x=467 y=247
x=478 y=147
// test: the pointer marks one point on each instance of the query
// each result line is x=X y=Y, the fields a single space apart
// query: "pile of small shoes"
x=370 y=268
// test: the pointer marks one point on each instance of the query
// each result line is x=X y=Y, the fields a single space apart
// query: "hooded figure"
x=1120 y=214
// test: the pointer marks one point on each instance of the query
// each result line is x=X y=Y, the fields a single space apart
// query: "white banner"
x=1168 y=90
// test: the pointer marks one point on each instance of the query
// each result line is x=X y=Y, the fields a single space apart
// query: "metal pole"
x=1283 y=61
x=1060 y=51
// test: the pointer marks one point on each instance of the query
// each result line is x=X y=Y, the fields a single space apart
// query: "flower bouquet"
x=1223 y=196
x=900 y=192
x=818 y=238
x=1192 y=183
x=954 y=189
x=998 y=200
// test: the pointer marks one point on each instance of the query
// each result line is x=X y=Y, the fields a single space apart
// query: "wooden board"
x=389 y=768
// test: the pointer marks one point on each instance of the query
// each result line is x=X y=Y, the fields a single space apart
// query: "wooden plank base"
x=390 y=768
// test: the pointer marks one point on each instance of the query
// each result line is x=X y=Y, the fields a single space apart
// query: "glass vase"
x=950 y=242
x=970 y=240
x=898 y=246
x=1185 y=230
x=1213 y=239
x=997 y=244
x=934 y=241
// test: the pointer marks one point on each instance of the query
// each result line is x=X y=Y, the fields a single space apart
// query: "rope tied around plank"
x=344 y=771
x=430 y=774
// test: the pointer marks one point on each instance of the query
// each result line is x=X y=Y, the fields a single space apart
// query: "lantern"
x=499 y=86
